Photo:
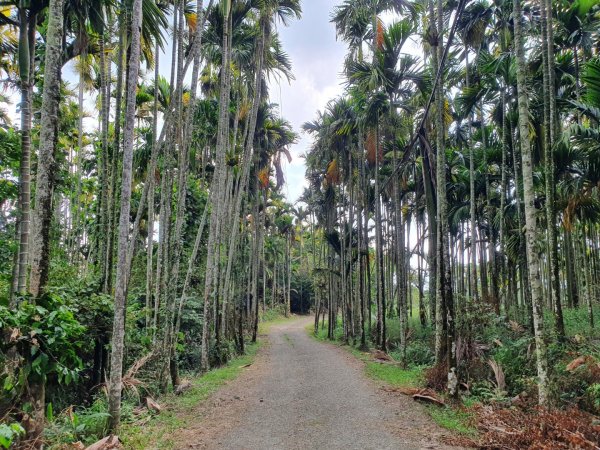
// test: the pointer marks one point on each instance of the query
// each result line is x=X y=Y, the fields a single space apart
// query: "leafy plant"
x=8 y=433
x=47 y=337
x=85 y=424
x=593 y=394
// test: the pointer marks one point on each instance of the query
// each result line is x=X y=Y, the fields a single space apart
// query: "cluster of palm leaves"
x=420 y=180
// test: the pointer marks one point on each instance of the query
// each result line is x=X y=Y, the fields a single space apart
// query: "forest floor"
x=301 y=393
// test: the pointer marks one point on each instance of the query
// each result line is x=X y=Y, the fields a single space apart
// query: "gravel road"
x=305 y=394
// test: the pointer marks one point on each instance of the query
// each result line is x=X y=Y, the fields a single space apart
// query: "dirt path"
x=304 y=394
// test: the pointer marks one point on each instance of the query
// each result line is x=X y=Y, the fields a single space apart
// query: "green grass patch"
x=394 y=375
x=179 y=410
x=453 y=419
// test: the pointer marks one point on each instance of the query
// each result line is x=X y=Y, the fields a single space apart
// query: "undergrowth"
x=141 y=428
x=139 y=432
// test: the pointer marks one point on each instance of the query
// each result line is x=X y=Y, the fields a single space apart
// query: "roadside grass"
x=455 y=419
x=178 y=411
x=394 y=375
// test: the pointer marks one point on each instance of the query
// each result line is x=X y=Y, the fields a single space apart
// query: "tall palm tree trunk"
x=25 y=50
x=115 y=385
x=217 y=189
x=531 y=232
x=42 y=213
x=550 y=167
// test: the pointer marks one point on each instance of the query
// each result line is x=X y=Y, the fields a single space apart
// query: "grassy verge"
x=451 y=418
x=178 y=412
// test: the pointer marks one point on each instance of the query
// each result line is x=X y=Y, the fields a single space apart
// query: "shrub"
x=419 y=353
x=9 y=433
x=86 y=424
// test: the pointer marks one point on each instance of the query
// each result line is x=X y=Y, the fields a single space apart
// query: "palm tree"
x=531 y=231
x=26 y=49
x=42 y=213
x=115 y=381
x=549 y=71
x=217 y=191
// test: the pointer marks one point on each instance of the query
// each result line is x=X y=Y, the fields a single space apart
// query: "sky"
x=317 y=60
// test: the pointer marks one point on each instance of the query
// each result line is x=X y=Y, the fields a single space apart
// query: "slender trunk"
x=217 y=189
x=380 y=274
x=472 y=199
x=42 y=213
x=550 y=175
x=115 y=384
x=531 y=232
x=25 y=50
x=103 y=231
x=115 y=157
x=151 y=182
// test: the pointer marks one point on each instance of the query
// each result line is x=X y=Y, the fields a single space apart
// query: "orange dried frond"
x=570 y=213
x=192 y=21
x=333 y=172
x=380 y=34
x=263 y=177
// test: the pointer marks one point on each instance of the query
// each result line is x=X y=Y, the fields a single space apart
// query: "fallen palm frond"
x=499 y=375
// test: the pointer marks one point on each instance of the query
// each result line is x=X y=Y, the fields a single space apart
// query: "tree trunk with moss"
x=42 y=213
x=531 y=230
x=115 y=384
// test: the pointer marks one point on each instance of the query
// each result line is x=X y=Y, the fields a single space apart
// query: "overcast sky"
x=317 y=60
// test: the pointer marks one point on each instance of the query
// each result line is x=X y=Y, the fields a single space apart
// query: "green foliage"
x=9 y=433
x=593 y=396
x=84 y=424
x=394 y=375
x=221 y=352
x=577 y=321
x=418 y=353
x=515 y=358
x=47 y=335
x=272 y=314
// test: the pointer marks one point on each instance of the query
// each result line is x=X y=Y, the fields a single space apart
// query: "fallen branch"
x=108 y=443
x=428 y=399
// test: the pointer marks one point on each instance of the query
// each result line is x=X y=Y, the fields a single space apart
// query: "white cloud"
x=317 y=60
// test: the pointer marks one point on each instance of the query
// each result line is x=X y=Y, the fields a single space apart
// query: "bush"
x=419 y=353
x=86 y=424
x=220 y=353
x=516 y=357
x=10 y=433
x=47 y=337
